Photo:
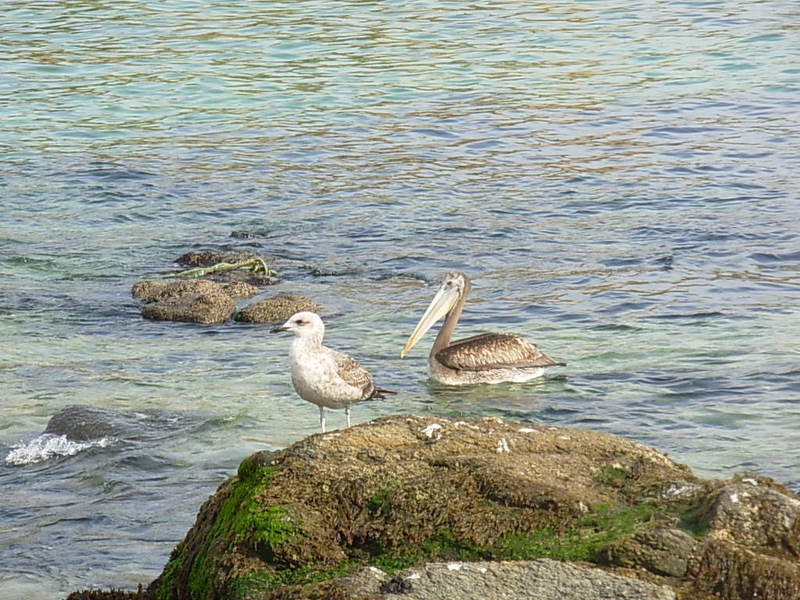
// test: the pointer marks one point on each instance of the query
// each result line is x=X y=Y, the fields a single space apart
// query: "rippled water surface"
x=619 y=179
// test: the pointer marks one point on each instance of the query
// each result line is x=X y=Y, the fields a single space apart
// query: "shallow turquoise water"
x=620 y=180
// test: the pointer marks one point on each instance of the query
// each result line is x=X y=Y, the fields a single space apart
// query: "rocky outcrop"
x=404 y=491
x=426 y=508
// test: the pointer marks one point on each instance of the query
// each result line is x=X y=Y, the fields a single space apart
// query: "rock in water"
x=424 y=508
x=276 y=309
x=404 y=491
x=193 y=301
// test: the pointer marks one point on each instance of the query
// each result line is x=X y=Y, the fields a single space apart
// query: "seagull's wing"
x=353 y=373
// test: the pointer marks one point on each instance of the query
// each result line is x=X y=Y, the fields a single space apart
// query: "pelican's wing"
x=353 y=373
x=493 y=351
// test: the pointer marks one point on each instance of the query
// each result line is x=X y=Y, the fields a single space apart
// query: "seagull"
x=485 y=358
x=321 y=375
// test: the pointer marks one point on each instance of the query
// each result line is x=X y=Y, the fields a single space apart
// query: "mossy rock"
x=403 y=491
x=276 y=309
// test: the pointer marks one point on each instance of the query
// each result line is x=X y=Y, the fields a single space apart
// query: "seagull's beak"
x=442 y=303
x=279 y=329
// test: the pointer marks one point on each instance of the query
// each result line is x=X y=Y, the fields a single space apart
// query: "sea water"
x=619 y=180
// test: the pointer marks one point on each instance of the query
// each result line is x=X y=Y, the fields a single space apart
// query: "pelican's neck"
x=442 y=340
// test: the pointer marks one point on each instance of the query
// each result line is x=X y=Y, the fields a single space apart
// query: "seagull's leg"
x=347 y=412
x=322 y=418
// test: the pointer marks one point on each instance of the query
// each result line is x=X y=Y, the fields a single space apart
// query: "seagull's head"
x=303 y=324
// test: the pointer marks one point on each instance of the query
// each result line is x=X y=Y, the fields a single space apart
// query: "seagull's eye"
x=300 y=322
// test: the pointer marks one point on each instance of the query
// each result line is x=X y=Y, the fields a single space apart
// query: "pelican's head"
x=455 y=285
x=304 y=325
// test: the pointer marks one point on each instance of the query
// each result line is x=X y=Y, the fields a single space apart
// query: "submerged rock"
x=209 y=259
x=206 y=259
x=82 y=423
x=275 y=309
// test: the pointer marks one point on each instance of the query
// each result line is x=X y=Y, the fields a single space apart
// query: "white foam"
x=48 y=446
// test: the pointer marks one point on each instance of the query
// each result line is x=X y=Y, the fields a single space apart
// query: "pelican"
x=485 y=358
x=321 y=375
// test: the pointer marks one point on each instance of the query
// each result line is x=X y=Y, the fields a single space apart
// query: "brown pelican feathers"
x=485 y=358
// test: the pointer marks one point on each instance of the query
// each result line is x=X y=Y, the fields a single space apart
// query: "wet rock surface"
x=240 y=289
x=192 y=301
x=424 y=507
x=210 y=297
x=81 y=423
x=208 y=258
x=275 y=309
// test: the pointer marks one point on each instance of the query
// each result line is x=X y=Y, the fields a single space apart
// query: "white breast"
x=315 y=377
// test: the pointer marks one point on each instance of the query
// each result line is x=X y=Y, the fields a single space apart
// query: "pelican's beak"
x=442 y=303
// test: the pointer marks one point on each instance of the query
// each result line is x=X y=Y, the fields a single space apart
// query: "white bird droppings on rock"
x=680 y=490
x=432 y=429
x=749 y=480
x=528 y=430
x=502 y=446
x=454 y=566
x=414 y=576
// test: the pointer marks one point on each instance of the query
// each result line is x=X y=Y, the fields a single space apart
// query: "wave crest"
x=48 y=446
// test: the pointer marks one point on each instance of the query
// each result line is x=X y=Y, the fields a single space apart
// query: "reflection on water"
x=618 y=179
